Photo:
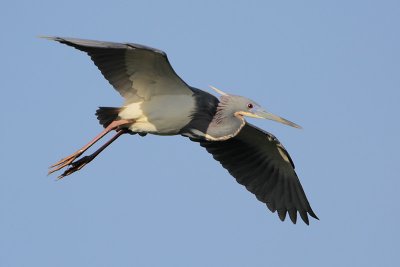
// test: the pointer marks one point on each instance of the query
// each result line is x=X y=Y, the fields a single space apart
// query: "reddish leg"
x=115 y=125
x=79 y=164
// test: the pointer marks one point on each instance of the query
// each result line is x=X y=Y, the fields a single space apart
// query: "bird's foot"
x=76 y=166
x=65 y=162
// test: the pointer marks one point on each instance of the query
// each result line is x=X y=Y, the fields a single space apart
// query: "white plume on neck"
x=218 y=90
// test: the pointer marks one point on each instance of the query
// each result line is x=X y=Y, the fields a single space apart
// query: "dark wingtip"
x=293 y=215
x=304 y=217
x=282 y=214
x=312 y=214
x=271 y=206
x=51 y=38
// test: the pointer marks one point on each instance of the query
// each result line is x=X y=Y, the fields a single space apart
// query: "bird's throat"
x=225 y=128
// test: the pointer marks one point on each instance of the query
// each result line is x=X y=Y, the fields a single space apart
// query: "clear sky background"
x=331 y=66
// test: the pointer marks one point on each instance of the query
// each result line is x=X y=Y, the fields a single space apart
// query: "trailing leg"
x=79 y=164
x=115 y=125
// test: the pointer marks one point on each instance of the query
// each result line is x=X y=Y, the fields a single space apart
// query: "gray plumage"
x=158 y=101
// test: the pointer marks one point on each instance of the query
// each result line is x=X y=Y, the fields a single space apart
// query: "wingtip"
x=282 y=215
x=304 y=217
x=271 y=206
x=46 y=37
x=293 y=215
x=51 y=38
x=312 y=214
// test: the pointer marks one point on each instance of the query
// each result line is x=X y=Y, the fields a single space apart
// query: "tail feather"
x=106 y=115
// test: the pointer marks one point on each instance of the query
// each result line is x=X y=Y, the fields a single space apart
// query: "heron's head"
x=242 y=106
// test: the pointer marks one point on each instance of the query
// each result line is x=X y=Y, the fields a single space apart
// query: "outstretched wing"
x=259 y=161
x=137 y=72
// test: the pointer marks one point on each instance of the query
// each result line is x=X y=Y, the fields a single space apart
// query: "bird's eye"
x=250 y=105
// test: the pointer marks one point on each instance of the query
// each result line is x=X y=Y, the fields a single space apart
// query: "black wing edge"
x=281 y=213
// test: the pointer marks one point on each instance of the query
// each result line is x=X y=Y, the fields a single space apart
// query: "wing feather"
x=259 y=162
x=137 y=72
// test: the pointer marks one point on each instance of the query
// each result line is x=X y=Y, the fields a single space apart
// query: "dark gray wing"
x=259 y=161
x=135 y=71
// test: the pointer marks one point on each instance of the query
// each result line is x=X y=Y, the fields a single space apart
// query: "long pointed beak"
x=262 y=114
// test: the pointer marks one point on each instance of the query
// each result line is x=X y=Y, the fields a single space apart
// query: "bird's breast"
x=161 y=114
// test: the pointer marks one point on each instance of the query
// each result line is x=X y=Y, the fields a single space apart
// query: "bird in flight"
x=159 y=102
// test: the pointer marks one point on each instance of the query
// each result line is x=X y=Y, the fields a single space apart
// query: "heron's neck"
x=224 y=127
x=211 y=119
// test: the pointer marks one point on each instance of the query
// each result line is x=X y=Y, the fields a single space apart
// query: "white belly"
x=163 y=114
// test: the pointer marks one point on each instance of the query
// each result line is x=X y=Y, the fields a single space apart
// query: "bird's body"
x=158 y=102
x=159 y=114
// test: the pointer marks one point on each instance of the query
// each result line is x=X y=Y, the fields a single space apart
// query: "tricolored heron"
x=158 y=101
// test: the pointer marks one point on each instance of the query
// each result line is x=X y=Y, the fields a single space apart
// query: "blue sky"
x=330 y=66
